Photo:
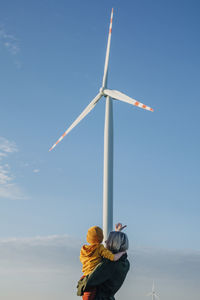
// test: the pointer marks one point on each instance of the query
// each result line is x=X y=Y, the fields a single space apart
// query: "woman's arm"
x=101 y=273
x=108 y=276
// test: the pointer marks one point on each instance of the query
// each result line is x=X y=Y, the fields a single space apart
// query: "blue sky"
x=52 y=58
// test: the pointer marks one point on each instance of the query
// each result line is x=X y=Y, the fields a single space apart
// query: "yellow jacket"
x=91 y=255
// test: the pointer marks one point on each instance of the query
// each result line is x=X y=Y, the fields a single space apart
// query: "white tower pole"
x=108 y=170
x=108 y=150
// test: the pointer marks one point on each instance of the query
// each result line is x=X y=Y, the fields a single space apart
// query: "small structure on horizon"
x=153 y=293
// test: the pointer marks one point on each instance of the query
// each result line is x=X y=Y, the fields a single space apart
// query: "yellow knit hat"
x=95 y=235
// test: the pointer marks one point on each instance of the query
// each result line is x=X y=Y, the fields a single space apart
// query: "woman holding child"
x=104 y=268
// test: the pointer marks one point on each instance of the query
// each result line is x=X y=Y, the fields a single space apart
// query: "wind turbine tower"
x=108 y=136
x=153 y=293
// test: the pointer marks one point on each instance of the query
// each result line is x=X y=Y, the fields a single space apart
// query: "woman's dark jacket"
x=107 y=277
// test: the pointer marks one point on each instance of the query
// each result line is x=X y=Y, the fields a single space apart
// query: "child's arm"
x=109 y=255
x=106 y=253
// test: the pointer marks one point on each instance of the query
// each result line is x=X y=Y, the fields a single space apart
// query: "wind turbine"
x=108 y=136
x=153 y=293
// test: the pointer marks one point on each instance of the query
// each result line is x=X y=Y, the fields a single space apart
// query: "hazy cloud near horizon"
x=48 y=268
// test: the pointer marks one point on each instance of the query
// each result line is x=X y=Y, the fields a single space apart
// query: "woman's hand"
x=119 y=227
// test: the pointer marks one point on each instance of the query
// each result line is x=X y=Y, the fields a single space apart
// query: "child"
x=91 y=255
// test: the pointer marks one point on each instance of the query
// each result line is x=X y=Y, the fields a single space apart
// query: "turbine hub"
x=101 y=91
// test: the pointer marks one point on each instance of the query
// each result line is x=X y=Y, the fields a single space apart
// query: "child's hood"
x=94 y=235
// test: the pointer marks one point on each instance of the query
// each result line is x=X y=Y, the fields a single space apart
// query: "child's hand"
x=119 y=227
x=118 y=255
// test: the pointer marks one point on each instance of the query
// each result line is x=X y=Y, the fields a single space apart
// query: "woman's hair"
x=117 y=242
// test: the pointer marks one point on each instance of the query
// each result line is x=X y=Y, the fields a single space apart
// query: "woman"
x=108 y=276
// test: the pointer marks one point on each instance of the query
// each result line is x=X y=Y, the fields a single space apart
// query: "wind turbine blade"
x=122 y=97
x=104 y=83
x=80 y=117
x=156 y=296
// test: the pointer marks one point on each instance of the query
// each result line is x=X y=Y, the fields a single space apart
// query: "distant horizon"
x=47 y=262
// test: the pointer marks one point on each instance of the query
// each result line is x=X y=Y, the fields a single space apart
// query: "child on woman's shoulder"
x=92 y=254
